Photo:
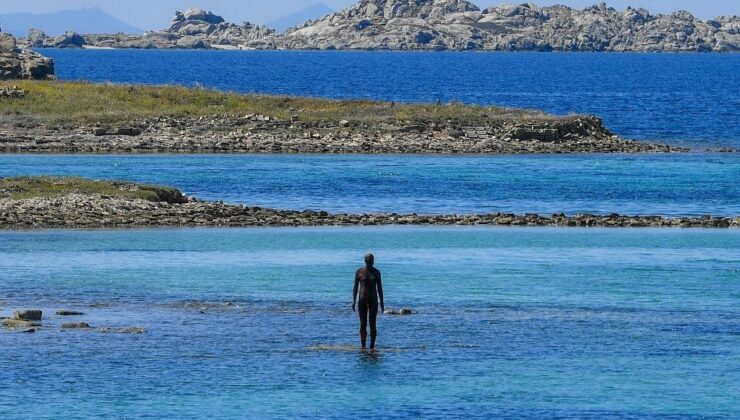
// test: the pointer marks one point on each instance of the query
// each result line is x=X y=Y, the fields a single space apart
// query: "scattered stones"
x=28 y=315
x=402 y=311
x=76 y=326
x=12 y=92
x=64 y=312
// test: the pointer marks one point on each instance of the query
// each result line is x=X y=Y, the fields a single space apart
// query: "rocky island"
x=62 y=202
x=437 y=25
x=75 y=117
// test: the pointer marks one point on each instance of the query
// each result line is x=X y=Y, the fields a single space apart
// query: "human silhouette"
x=369 y=288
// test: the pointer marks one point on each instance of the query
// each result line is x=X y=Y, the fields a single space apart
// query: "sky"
x=156 y=14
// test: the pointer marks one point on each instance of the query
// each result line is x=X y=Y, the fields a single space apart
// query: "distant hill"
x=314 y=11
x=83 y=21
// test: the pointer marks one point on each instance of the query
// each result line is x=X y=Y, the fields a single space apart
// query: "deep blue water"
x=678 y=98
x=627 y=323
x=688 y=184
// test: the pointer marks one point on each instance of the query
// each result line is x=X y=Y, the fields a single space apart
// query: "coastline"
x=33 y=203
x=74 y=117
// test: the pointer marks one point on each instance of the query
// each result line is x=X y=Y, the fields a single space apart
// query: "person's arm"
x=354 y=290
x=380 y=293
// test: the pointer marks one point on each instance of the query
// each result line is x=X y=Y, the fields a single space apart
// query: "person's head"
x=369 y=260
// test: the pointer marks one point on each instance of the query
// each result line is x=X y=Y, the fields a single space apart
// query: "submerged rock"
x=125 y=330
x=17 y=323
x=76 y=326
x=64 y=312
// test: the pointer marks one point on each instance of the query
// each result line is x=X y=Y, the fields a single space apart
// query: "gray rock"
x=202 y=15
x=68 y=40
x=28 y=314
x=7 y=43
x=36 y=37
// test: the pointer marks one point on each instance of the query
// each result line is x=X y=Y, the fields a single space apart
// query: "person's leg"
x=373 y=325
x=362 y=310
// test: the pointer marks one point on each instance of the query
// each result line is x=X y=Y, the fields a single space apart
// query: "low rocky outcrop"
x=16 y=63
x=93 y=210
x=265 y=134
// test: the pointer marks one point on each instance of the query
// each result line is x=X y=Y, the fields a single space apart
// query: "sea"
x=508 y=322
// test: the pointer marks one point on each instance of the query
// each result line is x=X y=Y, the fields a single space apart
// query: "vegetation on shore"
x=19 y=188
x=86 y=102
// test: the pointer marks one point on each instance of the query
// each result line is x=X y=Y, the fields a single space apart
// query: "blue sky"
x=155 y=14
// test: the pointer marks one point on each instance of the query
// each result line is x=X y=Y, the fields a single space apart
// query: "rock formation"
x=196 y=28
x=16 y=63
x=460 y=25
x=437 y=25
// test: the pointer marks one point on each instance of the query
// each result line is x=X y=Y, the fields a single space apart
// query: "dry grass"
x=48 y=187
x=88 y=102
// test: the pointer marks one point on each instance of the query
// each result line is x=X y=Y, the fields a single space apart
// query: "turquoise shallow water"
x=511 y=322
x=675 y=185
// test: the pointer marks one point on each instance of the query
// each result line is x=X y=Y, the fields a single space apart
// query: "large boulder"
x=36 y=37
x=69 y=40
x=7 y=43
x=195 y=13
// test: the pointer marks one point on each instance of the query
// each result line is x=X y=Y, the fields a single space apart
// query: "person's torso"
x=368 y=279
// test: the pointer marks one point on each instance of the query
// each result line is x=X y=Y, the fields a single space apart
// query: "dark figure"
x=370 y=290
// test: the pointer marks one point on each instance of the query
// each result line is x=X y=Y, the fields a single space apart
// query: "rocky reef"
x=439 y=25
x=42 y=203
x=17 y=63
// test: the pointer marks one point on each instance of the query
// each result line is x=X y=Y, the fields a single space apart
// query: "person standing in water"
x=370 y=290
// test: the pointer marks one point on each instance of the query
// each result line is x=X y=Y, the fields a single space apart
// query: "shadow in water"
x=370 y=356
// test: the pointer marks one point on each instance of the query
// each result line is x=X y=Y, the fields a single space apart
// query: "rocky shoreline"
x=435 y=25
x=76 y=210
x=255 y=133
